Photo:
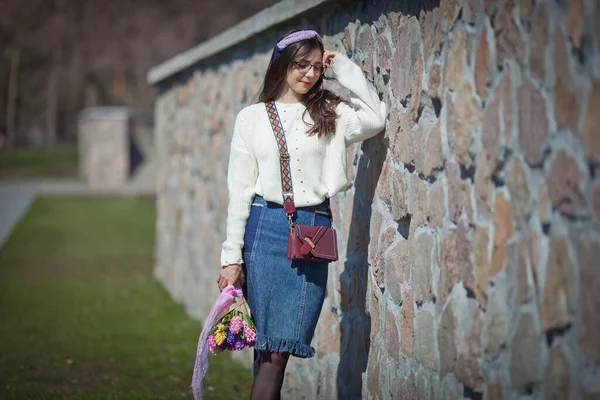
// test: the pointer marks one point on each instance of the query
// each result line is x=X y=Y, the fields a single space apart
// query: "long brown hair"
x=320 y=103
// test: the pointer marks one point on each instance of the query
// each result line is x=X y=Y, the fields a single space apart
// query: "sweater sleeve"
x=366 y=117
x=241 y=180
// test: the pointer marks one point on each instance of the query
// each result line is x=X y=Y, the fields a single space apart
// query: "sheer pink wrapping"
x=223 y=301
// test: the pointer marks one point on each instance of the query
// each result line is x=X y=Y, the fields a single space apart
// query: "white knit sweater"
x=318 y=164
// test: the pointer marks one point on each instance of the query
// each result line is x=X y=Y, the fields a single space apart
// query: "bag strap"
x=284 y=159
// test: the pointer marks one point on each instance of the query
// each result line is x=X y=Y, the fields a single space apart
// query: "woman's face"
x=305 y=72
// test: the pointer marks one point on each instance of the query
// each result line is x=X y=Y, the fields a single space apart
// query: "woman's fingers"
x=327 y=56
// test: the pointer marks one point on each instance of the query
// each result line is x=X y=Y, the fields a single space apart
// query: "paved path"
x=16 y=197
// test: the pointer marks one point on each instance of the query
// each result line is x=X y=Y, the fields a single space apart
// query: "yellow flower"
x=220 y=338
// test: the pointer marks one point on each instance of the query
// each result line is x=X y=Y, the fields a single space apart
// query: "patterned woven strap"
x=284 y=158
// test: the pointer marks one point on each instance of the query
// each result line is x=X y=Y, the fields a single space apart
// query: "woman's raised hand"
x=231 y=275
x=327 y=56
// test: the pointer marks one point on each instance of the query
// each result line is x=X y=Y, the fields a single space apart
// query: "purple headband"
x=293 y=38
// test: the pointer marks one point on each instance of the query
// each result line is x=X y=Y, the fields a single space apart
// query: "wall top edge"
x=104 y=112
x=249 y=27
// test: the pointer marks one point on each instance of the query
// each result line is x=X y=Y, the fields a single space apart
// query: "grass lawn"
x=39 y=163
x=81 y=316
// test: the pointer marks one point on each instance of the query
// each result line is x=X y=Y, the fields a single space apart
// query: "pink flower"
x=212 y=345
x=235 y=325
x=249 y=334
x=211 y=341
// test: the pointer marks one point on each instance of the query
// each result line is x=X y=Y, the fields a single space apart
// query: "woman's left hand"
x=327 y=56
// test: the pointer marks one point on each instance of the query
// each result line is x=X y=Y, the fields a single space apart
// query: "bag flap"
x=326 y=246
x=305 y=231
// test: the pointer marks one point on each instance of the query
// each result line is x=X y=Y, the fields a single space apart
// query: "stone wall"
x=103 y=145
x=470 y=238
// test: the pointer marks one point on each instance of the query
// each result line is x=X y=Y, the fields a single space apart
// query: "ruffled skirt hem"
x=279 y=345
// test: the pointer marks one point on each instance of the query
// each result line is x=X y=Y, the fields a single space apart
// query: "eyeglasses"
x=304 y=65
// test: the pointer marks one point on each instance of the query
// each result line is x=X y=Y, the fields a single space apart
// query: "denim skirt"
x=285 y=296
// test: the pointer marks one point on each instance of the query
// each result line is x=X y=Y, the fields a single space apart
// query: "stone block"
x=495 y=334
x=468 y=366
x=447 y=340
x=533 y=125
x=520 y=199
x=432 y=25
x=493 y=391
x=589 y=301
x=558 y=303
x=434 y=80
x=540 y=37
x=328 y=333
x=375 y=315
x=384 y=183
x=377 y=266
x=420 y=253
x=525 y=9
x=483 y=184
x=449 y=268
x=364 y=40
x=470 y=10
x=456 y=60
x=557 y=379
x=430 y=154
x=408 y=310
x=525 y=354
x=544 y=206
x=424 y=345
x=459 y=196
x=349 y=38
x=399 y=130
x=591 y=130
x=403 y=79
x=468 y=119
x=418 y=202
x=391 y=335
x=482 y=263
x=575 y=22
x=374 y=373
x=436 y=205
x=451 y=10
x=398 y=265
x=596 y=200
x=384 y=54
x=563 y=184
x=509 y=44
x=524 y=259
x=484 y=60
x=567 y=95
x=503 y=231
x=400 y=196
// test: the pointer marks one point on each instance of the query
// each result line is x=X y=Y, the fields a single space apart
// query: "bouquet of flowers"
x=234 y=331
x=231 y=328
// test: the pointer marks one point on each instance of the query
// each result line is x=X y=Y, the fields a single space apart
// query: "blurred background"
x=60 y=56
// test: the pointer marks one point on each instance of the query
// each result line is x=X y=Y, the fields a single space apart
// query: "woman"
x=286 y=297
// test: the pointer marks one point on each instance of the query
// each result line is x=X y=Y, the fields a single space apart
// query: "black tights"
x=268 y=375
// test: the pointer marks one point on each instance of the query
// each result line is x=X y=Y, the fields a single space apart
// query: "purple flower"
x=236 y=324
x=240 y=344
x=230 y=338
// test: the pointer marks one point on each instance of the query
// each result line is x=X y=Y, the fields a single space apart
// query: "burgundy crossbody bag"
x=305 y=242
